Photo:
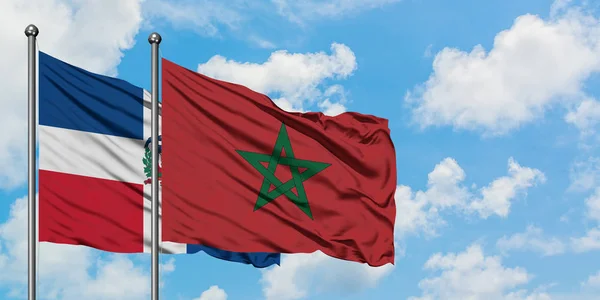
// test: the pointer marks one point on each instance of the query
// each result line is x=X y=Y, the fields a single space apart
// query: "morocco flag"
x=240 y=174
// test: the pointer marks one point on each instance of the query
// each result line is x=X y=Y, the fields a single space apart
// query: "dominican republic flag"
x=94 y=165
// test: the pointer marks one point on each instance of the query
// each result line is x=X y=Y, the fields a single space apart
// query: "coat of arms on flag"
x=147 y=160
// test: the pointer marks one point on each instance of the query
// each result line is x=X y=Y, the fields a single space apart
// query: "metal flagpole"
x=154 y=39
x=31 y=32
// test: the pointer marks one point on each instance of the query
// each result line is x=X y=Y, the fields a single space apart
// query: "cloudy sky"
x=493 y=108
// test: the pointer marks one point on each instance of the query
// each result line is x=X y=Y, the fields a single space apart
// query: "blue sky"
x=493 y=108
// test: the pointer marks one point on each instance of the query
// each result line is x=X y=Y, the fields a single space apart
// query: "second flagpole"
x=154 y=39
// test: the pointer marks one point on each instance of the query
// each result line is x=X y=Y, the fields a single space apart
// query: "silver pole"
x=154 y=39
x=31 y=32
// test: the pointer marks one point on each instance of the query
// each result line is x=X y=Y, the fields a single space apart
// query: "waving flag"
x=273 y=181
x=94 y=165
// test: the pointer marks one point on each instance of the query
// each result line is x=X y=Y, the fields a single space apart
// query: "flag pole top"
x=32 y=30
x=154 y=38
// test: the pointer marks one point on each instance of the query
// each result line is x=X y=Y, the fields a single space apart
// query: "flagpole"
x=31 y=32
x=154 y=39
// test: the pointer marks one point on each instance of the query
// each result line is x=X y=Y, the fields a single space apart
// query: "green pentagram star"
x=283 y=188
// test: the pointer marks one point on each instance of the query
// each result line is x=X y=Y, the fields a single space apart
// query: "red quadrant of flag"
x=100 y=213
x=241 y=174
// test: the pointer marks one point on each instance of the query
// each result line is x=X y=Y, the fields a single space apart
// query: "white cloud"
x=261 y=42
x=302 y=274
x=213 y=293
x=287 y=105
x=589 y=242
x=416 y=213
x=533 y=65
x=115 y=279
x=167 y=267
x=333 y=104
x=585 y=117
x=66 y=271
x=524 y=295
x=301 y=86
x=472 y=275
x=202 y=16
x=427 y=53
x=420 y=211
x=585 y=175
x=559 y=6
x=216 y=18
x=496 y=196
x=593 y=282
x=532 y=239
x=331 y=109
x=592 y=204
x=74 y=31
x=301 y=11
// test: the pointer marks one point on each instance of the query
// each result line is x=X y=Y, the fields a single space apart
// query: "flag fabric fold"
x=94 y=150
x=243 y=175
